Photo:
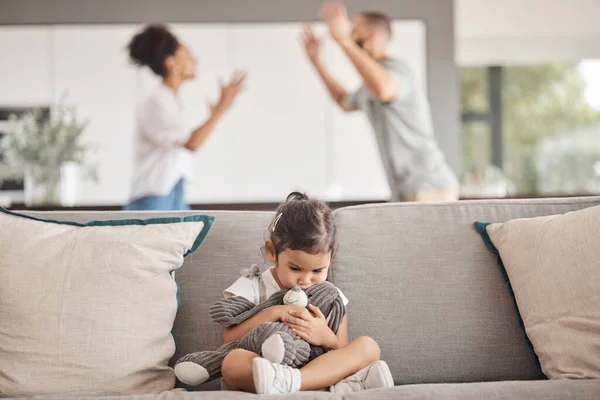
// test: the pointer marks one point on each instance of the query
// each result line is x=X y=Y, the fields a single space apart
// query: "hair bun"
x=296 y=196
x=151 y=46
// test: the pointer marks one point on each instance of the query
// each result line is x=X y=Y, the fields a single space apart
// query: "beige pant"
x=434 y=195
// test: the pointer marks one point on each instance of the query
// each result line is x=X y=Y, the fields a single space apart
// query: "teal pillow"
x=488 y=243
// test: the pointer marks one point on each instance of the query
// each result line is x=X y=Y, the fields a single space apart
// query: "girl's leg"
x=332 y=367
x=237 y=370
x=326 y=371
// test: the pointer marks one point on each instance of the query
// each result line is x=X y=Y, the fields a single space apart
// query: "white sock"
x=296 y=380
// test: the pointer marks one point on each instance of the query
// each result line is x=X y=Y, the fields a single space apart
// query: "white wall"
x=280 y=145
x=283 y=134
x=88 y=65
x=25 y=67
x=526 y=31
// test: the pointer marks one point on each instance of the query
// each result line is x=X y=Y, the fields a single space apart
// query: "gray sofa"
x=419 y=280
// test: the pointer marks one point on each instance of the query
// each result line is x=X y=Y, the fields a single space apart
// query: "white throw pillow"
x=553 y=265
x=88 y=309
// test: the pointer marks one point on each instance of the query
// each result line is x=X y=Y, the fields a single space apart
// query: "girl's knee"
x=236 y=369
x=369 y=348
x=232 y=363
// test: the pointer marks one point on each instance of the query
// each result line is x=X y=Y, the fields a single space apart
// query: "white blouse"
x=160 y=160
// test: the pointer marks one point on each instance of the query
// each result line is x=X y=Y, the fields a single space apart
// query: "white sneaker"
x=376 y=375
x=271 y=378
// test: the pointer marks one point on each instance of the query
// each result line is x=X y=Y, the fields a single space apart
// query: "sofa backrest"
x=418 y=277
x=423 y=284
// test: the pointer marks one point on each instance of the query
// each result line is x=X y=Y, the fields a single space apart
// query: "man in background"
x=396 y=107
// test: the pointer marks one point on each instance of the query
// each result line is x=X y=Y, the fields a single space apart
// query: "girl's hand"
x=312 y=328
x=282 y=311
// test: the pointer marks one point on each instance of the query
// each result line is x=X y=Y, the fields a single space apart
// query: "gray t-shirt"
x=412 y=159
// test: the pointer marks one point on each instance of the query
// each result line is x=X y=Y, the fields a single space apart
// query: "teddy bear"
x=274 y=341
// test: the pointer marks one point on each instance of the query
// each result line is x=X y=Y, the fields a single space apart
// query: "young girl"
x=164 y=145
x=301 y=244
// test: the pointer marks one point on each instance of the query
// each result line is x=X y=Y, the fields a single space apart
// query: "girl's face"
x=182 y=63
x=298 y=268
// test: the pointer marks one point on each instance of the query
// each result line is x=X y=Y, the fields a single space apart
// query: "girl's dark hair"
x=301 y=223
x=151 y=47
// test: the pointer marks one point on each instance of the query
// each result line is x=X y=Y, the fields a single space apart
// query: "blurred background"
x=514 y=88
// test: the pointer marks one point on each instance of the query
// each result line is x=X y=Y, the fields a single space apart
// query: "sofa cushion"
x=234 y=244
x=424 y=286
x=513 y=390
x=553 y=268
x=88 y=309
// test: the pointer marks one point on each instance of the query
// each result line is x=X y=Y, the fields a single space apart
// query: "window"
x=476 y=129
x=538 y=125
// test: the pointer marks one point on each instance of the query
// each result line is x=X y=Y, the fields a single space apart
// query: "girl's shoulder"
x=344 y=298
x=247 y=285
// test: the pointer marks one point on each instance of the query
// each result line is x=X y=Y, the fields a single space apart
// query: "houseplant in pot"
x=48 y=150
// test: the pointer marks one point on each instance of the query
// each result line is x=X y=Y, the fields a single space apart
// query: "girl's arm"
x=342 y=335
x=271 y=314
x=341 y=339
x=314 y=329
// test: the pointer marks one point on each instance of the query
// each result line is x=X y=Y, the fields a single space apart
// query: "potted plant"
x=45 y=150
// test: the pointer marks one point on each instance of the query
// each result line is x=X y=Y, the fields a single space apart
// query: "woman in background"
x=164 y=147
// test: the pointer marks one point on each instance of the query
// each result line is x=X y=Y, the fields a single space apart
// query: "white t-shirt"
x=249 y=288
x=160 y=160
